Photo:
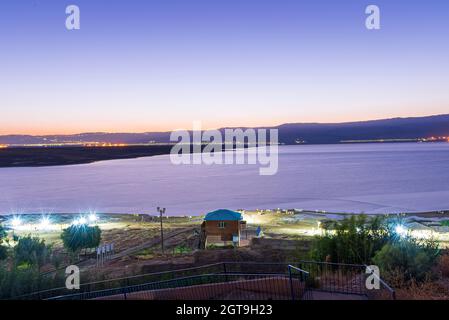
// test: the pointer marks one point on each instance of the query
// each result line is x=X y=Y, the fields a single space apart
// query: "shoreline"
x=45 y=156
x=27 y=157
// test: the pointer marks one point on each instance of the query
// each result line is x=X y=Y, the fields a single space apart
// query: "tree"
x=78 y=237
x=355 y=240
x=31 y=251
x=3 y=252
x=3 y=249
x=3 y=233
x=375 y=241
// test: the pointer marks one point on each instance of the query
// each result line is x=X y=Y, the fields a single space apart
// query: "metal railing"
x=384 y=292
x=303 y=279
x=117 y=283
x=345 y=279
x=236 y=286
x=298 y=283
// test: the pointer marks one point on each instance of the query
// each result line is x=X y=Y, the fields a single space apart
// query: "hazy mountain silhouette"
x=396 y=128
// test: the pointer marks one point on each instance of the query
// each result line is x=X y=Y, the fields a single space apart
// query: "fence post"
x=291 y=282
x=225 y=271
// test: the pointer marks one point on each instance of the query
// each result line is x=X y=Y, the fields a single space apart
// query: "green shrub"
x=181 y=249
x=24 y=280
x=407 y=256
x=3 y=252
x=18 y=281
x=23 y=275
x=31 y=251
x=373 y=241
x=3 y=249
x=355 y=240
x=76 y=238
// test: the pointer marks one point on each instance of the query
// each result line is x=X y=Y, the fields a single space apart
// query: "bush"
x=362 y=241
x=76 y=238
x=3 y=252
x=443 y=265
x=18 y=281
x=3 y=249
x=24 y=280
x=356 y=240
x=31 y=251
x=23 y=275
x=410 y=257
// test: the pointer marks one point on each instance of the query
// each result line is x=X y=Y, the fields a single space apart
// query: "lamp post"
x=161 y=212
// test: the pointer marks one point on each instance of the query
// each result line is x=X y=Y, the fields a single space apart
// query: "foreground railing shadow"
x=301 y=280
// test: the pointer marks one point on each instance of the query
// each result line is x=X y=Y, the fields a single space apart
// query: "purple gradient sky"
x=158 y=65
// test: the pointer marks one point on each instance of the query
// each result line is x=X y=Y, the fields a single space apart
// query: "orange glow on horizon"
x=39 y=129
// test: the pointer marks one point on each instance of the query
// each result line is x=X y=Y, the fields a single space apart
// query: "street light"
x=161 y=212
x=400 y=230
x=16 y=222
x=45 y=223
x=93 y=217
x=82 y=220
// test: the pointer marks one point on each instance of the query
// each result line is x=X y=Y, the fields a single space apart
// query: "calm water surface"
x=373 y=178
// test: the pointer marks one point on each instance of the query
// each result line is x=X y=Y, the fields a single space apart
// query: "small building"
x=222 y=227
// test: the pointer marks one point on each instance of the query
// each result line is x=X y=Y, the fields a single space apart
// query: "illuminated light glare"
x=422 y=234
x=45 y=223
x=400 y=230
x=93 y=217
x=16 y=221
x=82 y=220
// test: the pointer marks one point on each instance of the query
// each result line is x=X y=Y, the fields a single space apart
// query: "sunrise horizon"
x=205 y=126
x=161 y=66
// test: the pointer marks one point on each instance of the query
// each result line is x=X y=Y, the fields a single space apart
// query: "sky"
x=149 y=65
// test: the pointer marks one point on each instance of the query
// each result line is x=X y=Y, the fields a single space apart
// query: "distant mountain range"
x=291 y=133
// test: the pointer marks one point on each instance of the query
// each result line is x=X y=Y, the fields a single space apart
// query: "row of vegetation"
x=22 y=259
x=402 y=259
x=375 y=241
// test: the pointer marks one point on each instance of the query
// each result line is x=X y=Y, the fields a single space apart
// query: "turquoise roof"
x=223 y=214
